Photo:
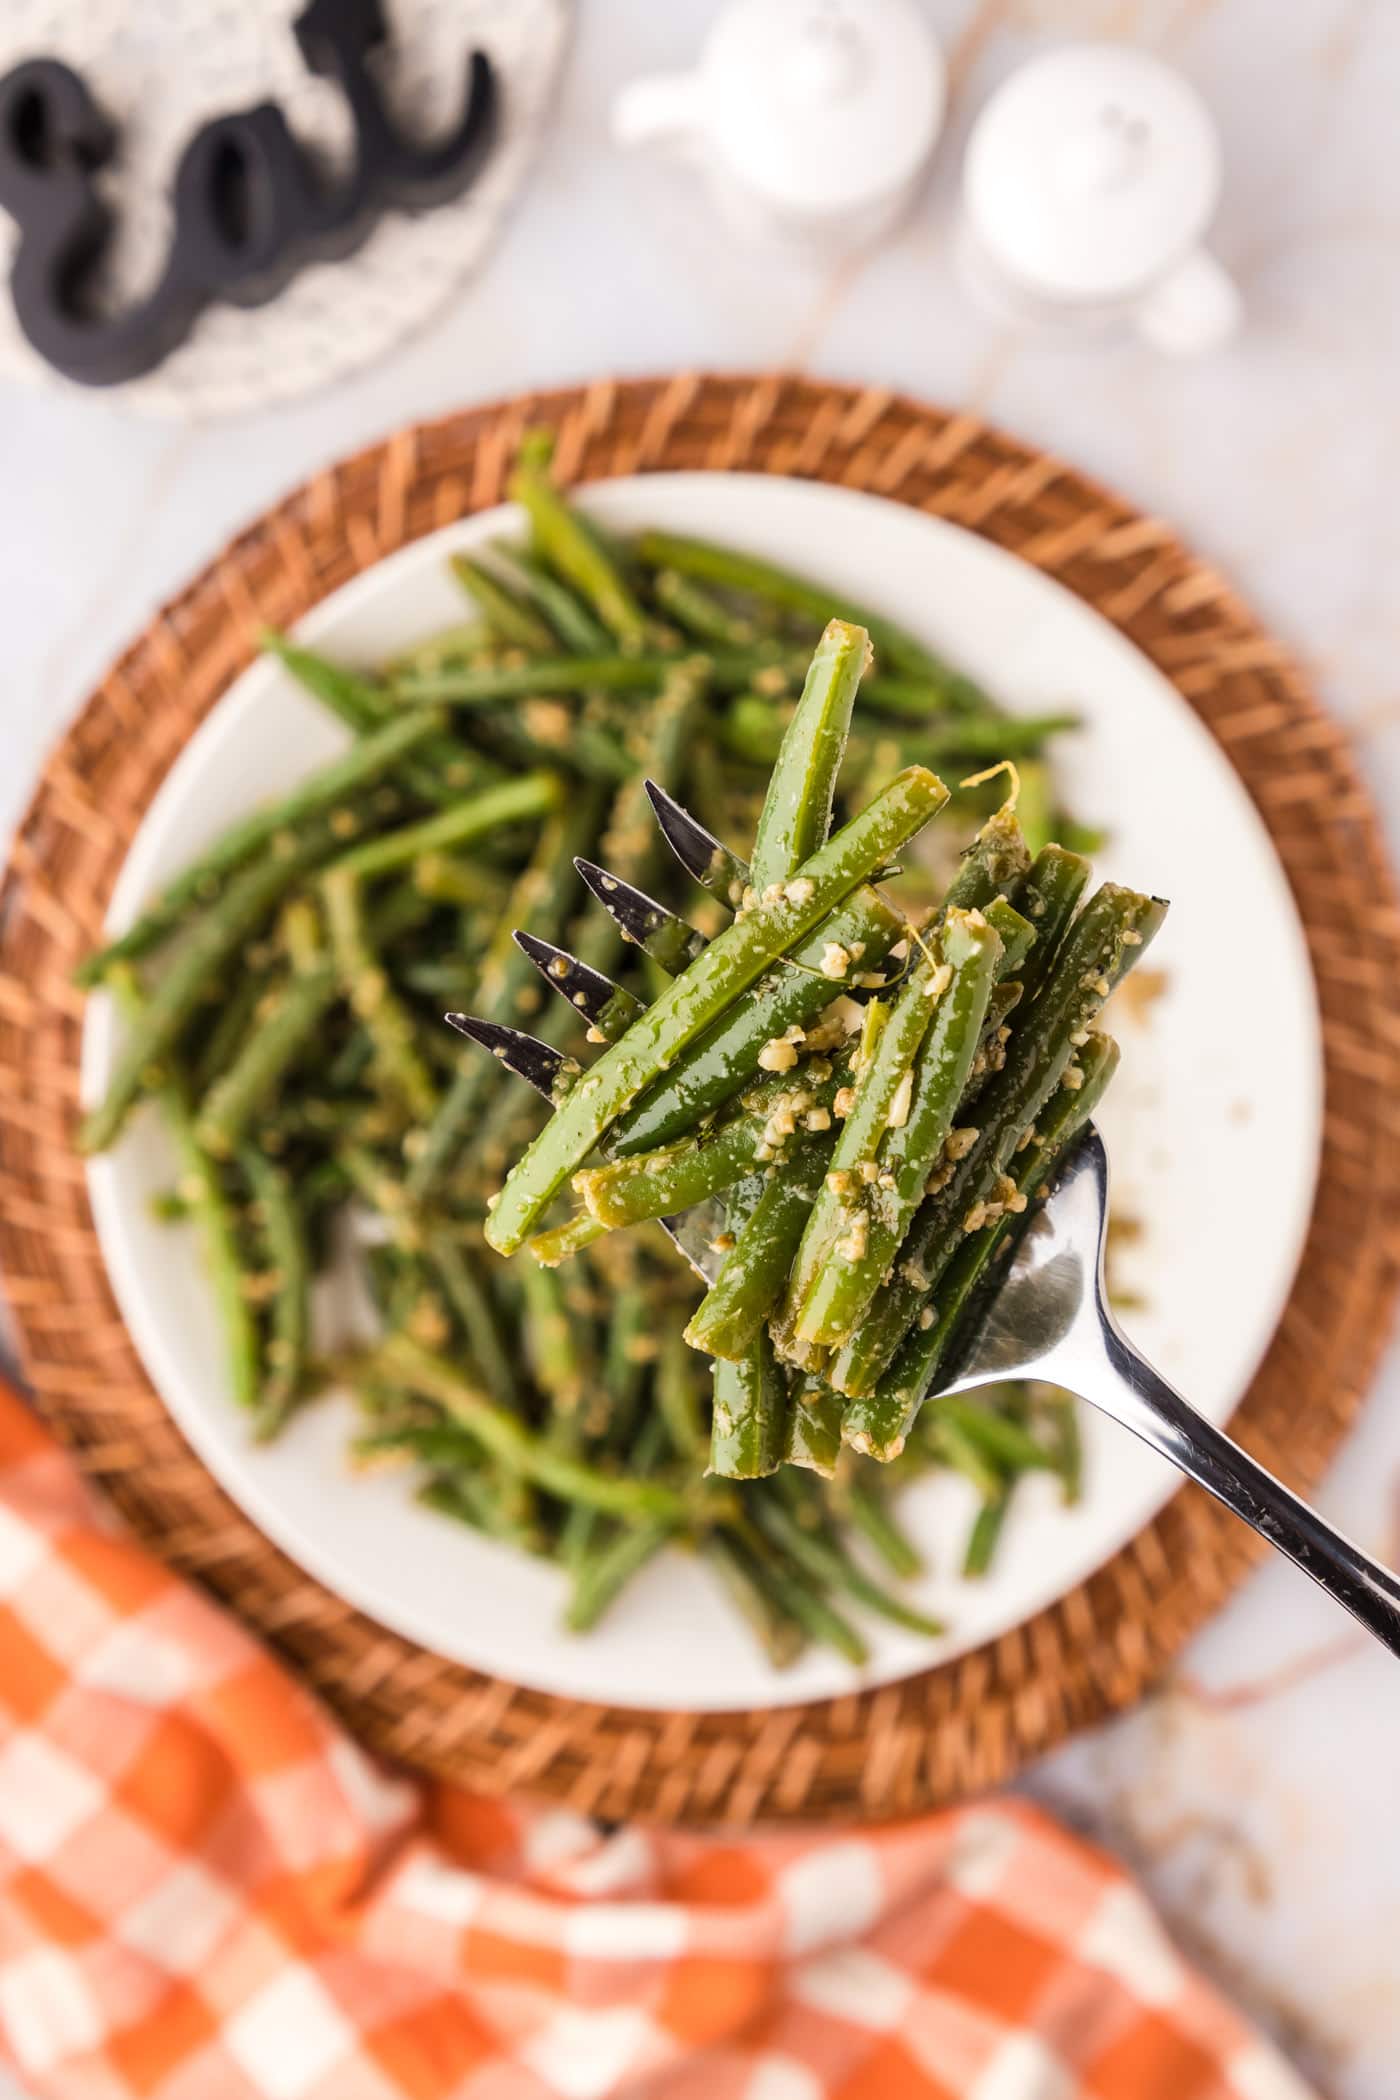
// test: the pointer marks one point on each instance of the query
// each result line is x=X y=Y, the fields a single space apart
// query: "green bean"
x=754 y=1270
x=215 y=938
x=488 y=685
x=534 y=795
x=507 y=990
x=280 y=1218
x=790 y=995
x=575 y=554
x=677 y=1400
x=728 y=966
x=562 y=1242
x=796 y=991
x=779 y=1634
x=508 y=1439
x=1035 y=803
x=813 y=1424
x=859 y=1224
x=1005 y=1443
x=398 y=1067
x=1015 y=932
x=569 y=617
x=995 y=863
x=863 y=1504
x=200 y=1190
x=360 y=702
x=467 y=1497
x=233 y=1017
x=201 y=882
x=824 y=1560
x=1067 y=1444
x=446 y=878
x=551 y=1348
x=471 y=1302
x=1109 y=935
x=517 y=625
x=1049 y=898
x=285 y=1022
x=599 y=1578
x=456 y=644
x=753 y=730
x=437 y=772
x=761 y=579
x=699 y=612
x=986 y=1533
x=795 y=1594
x=654 y=1184
x=796 y=814
x=954 y=1449
x=881 y=1421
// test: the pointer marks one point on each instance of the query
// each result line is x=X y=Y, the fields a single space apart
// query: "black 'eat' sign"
x=250 y=206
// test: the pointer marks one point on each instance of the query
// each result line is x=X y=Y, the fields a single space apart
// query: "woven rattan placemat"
x=904 y=1746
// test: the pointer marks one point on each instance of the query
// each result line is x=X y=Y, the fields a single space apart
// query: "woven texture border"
x=902 y=1747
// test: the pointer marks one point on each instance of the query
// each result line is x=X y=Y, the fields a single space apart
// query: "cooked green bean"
x=577 y=555
x=202 y=1196
x=200 y=883
x=756 y=1267
x=859 y=1224
x=520 y=801
x=796 y=814
x=566 y=613
x=714 y=980
x=220 y=932
x=699 y=611
x=397 y=1063
x=814 y=1424
x=823 y=1559
x=280 y=1219
x=881 y=1421
x=762 y=579
x=1110 y=934
x=286 y=1019
x=516 y=624
x=511 y=1441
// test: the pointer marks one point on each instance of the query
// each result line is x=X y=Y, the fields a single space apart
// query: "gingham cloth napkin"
x=208 y=1893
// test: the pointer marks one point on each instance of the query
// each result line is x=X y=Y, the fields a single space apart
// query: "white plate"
x=1213 y=1123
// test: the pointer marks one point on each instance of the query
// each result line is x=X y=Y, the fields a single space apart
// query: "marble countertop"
x=1255 y=1792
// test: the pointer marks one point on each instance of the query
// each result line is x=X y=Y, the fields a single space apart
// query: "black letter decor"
x=250 y=206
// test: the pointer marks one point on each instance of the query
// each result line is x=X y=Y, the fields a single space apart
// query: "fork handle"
x=1143 y=1401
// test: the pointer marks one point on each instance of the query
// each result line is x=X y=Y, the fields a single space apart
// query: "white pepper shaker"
x=812 y=119
x=1090 y=179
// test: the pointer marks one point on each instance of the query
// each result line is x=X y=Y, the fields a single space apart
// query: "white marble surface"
x=1255 y=1794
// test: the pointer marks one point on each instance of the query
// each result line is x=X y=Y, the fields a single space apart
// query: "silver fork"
x=1050 y=1319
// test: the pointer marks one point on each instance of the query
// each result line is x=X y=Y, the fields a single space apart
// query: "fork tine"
x=706 y=859
x=538 y=1064
x=605 y=1005
x=640 y=919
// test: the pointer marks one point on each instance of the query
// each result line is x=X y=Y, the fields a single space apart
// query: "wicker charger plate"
x=904 y=1746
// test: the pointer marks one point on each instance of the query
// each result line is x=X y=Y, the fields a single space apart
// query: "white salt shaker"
x=812 y=119
x=1090 y=178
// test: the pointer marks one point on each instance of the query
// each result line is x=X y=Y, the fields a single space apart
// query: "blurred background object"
x=812 y=121
x=162 y=70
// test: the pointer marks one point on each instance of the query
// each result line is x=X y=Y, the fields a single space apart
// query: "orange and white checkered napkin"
x=208 y=1893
